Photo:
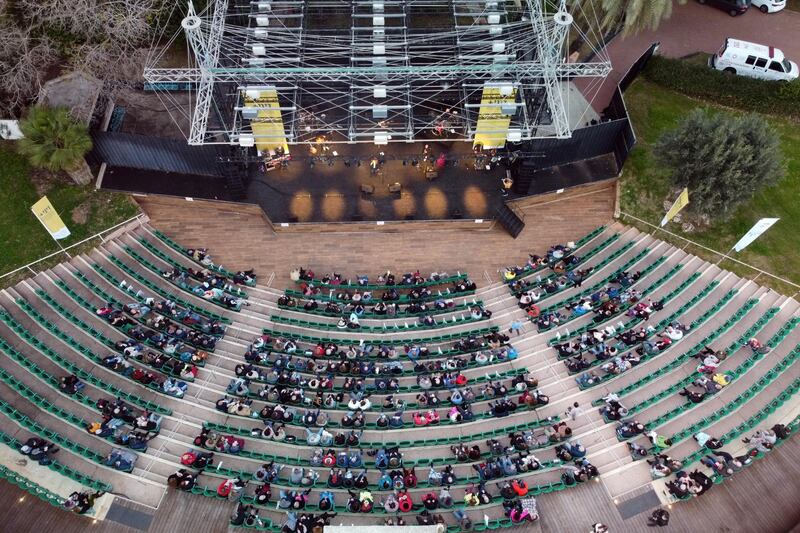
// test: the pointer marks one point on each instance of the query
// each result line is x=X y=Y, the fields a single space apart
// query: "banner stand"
x=754 y=233
x=46 y=214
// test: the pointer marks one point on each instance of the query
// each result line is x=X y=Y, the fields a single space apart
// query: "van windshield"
x=787 y=66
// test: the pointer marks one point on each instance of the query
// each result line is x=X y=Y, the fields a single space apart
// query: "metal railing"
x=722 y=256
x=140 y=217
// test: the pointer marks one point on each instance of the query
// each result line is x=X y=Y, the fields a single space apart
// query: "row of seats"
x=59 y=468
x=761 y=384
x=635 y=320
x=559 y=283
x=531 y=267
x=336 y=281
x=592 y=379
x=440 y=442
x=674 y=318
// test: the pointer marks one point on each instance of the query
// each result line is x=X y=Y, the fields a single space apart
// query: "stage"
x=346 y=187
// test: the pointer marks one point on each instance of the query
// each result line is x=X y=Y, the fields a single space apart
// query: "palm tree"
x=636 y=15
x=53 y=140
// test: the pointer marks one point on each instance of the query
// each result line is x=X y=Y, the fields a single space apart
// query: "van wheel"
x=764 y=9
x=729 y=70
x=733 y=12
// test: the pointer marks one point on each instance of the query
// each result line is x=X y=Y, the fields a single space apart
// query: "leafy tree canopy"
x=636 y=15
x=723 y=159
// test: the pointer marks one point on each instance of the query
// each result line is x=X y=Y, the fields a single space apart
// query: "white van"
x=753 y=60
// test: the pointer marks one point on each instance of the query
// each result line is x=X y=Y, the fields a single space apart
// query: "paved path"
x=696 y=28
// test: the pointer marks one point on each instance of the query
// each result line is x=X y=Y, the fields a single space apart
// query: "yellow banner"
x=49 y=218
x=492 y=127
x=268 y=127
x=680 y=203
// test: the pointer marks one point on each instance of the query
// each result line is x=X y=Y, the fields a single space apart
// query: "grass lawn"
x=645 y=186
x=83 y=209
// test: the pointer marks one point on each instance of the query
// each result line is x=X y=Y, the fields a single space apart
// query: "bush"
x=771 y=97
x=723 y=159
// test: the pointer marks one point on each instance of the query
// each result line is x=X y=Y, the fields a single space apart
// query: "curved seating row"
x=381 y=287
x=60 y=468
x=520 y=286
x=529 y=270
x=30 y=487
x=74 y=303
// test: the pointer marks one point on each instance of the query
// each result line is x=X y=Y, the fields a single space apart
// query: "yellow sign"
x=49 y=218
x=491 y=130
x=680 y=203
x=268 y=127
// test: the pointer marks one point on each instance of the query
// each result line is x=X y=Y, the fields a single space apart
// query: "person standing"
x=574 y=411
x=507 y=183
x=516 y=327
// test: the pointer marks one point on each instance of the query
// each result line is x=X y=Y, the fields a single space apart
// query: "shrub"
x=723 y=159
x=771 y=97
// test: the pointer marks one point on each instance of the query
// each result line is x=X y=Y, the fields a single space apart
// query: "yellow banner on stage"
x=268 y=128
x=491 y=130
x=680 y=203
x=49 y=218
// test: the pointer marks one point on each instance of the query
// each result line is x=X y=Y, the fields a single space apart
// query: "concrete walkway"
x=697 y=28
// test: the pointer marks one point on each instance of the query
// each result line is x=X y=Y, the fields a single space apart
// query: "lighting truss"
x=380 y=71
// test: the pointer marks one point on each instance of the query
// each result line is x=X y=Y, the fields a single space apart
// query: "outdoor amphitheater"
x=200 y=371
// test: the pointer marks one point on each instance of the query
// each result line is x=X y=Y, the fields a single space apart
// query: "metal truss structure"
x=275 y=73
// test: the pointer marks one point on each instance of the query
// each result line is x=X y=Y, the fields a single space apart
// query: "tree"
x=53 y=140
x=723 y=159
x=636 y=15
x=23 y=60
x=108 y=39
